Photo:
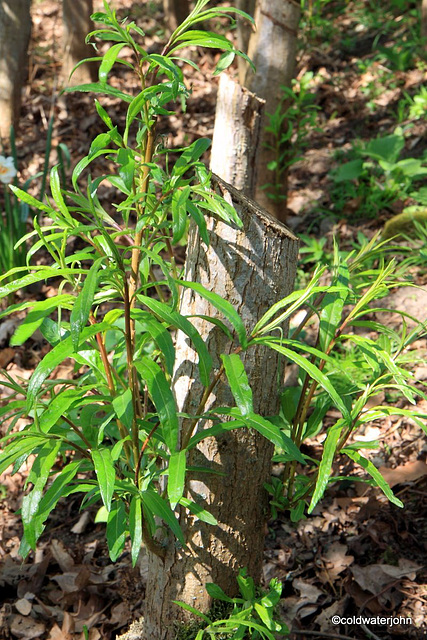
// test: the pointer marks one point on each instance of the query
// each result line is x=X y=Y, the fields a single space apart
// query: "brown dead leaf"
x=337 y=608
x=82 y=523
x=23 y=606
x=375 y=577
x=57 y=634
x=26 y=627
x=6 y=355
x=335 y=561
x=75 y=580
x=404 y=473
x=62 y=557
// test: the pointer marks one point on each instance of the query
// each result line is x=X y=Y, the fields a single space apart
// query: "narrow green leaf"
x=190 y=155
x=274 y=434
x=98 y=87
x=176 y=477
x=41 y=468
x=192 y=610
x=200 y=220
x=374 y=473
x=108 y=61
x=315 y=373
x=329 y=449
x=33 y=202
x=57 y=489
x=224 y=62
x=52 y=359
x=35 y=317
x=43 y=274
x=20 y=446
x=222 y=305
x=55 y=187
x=216 y=592
x=83 y=304
x=175 y=319
x=162 y=397
x=105 y=473
x=123 y=407
x=179 y=213
x=135 y=527
x=58 y=406
x=197 y=510
x=159 y=507
x=116 y=529
x=238 y=381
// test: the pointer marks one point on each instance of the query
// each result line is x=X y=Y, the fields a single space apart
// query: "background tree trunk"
x=424 y=20
x=252 y=268
x=272 y=48
x=244 y=30
x=237 y=131
x=15 y=31
x=175 y=12
x=76 y=25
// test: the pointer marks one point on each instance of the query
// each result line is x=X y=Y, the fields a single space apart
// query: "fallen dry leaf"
x=26 y=627
x=335 y=561
x=62 y=557
x=375 y=577
x=404 y=473
x=23 y=606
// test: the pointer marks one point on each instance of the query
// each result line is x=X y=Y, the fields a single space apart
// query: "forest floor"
x=357 y=554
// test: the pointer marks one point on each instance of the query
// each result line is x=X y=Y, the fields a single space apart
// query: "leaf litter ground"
x=356 y=554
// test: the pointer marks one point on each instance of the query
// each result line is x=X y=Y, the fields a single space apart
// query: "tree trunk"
x=272 y=48
x=244 y=30
x=175 y=12
x=15 y=31
x=76 y=25
x=424 y=22
x=237 y=131
x=252 y=268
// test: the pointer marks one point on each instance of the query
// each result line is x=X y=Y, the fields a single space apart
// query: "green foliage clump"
x=252 y=615
x=403 y=224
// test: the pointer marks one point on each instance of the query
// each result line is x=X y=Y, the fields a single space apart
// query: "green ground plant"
x=358 y=366
x=377 y=175
x=289 y=126
x=16 y=213
x=252 y=615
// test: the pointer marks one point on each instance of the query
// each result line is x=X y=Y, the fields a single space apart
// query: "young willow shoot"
x=113 y=432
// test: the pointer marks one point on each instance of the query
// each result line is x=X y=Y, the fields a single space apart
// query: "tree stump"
x=236 y=136
x=252 y=268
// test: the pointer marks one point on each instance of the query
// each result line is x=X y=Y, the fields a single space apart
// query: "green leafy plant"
x=377 y=176
x=252 y=615
x=116 y=421
x=13 y=221
x=113 y=432
x=358 y=367
x=289 y=125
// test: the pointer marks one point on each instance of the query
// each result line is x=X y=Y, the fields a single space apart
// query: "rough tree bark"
x=272 y=48
x=76 y=25
x=237 y=129
x=252 y=268
x=15 y=30
x=175 y=12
